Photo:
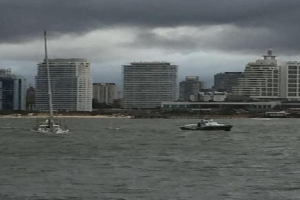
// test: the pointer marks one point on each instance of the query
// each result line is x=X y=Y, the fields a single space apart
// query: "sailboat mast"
x=49 y=84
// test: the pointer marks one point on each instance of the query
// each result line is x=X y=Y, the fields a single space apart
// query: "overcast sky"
x=203 y=37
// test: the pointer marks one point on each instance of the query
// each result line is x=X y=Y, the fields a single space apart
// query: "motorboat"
x=207 y=125
x=49 y=125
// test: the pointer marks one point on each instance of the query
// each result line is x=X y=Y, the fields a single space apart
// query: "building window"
x=292 y=85
x=292 y=76
x=292 y=90
x=292 y=81
x=292 y=71
x=292 y=67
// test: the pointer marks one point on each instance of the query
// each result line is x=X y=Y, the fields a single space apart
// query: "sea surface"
x=150 y=159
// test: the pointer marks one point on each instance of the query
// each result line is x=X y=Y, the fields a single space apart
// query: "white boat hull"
x=207 y=125
x=45 y=128
x=49 y=131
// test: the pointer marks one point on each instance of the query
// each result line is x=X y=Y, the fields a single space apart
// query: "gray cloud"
x=24 y=20
x=236 y=39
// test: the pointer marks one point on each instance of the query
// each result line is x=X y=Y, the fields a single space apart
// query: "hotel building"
x=71 y=85
x=190 y=86
x=105 y=92
x=290 y=75
x=12 y=91
x=262 y=79
x=147 y=84
x=224 y=82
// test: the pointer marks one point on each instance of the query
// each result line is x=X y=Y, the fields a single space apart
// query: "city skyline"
x=202 y=37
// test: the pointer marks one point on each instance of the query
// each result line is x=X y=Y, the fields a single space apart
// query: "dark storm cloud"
x=20 y=18
x=23 y=20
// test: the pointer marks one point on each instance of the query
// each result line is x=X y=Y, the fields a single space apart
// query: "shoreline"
x=195 y=117
x=65 y=116
x=129 y=117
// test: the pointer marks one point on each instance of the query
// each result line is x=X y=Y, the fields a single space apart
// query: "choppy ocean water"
x=150 y=159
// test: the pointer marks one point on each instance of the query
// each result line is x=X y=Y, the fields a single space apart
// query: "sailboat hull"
x=42 y=130
x=44 y=127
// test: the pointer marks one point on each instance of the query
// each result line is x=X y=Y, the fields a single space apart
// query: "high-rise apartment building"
x=262 y=78
x=290 y=77
x=105 y=92
x=147 y=84
x=0 y=95
x=190 y=86
x=12 y=91
x=224 y=82
x=71 y=85
x=30 y=98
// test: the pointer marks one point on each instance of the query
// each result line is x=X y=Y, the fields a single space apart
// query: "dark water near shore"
x=136 y=159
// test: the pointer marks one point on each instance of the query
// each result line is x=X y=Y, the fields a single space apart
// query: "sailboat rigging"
x=49 y=125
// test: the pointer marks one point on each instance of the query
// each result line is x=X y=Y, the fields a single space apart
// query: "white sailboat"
x=49 y=125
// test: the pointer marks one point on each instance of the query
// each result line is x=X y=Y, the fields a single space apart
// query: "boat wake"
x=112 y=128
x=264 y=119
